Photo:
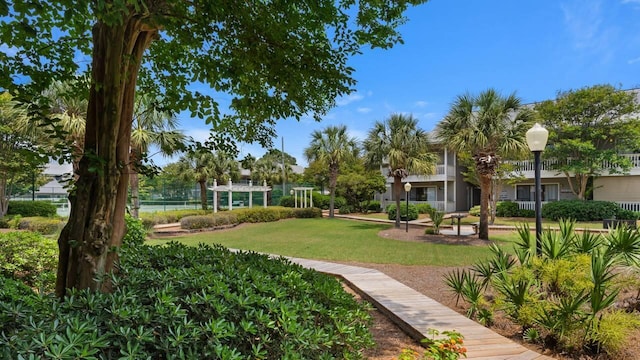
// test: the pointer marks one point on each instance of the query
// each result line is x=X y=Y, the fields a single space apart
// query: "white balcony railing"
x=548 y=165
x=627 y=205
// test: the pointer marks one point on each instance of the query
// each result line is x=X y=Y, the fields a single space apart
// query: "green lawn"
x=336 y=239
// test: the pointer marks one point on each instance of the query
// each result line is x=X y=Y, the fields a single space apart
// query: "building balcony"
x=443 y=173
x=527 y=167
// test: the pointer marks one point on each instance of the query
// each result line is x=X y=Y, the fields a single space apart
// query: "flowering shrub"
x=448 y=345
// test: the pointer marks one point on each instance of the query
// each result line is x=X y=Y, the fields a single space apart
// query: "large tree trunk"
x=98 y=202
x=397 y=191
x=333 y=181
x=485 y=193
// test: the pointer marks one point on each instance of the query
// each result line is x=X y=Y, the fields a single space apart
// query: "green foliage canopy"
x=589 y=129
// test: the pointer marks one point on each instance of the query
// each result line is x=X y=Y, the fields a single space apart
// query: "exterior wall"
x=617 y=188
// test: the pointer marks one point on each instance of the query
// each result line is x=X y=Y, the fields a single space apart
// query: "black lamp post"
x=407 y=189
x=537 y=140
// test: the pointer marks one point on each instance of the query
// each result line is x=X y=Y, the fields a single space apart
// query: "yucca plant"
x=525 y=246
x=586 y=243
x=456 y=280
x=602 y=296
x=485 y=271
x=623 y=244
x=555 y=245
x=472 y=293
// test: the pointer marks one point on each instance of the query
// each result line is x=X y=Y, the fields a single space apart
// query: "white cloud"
x=633 y=61
x=631 y=1
x=345 y=100
x=198 y=134
x=421 y=103
x=364 y=110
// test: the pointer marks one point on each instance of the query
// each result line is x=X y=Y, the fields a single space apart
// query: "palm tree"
x=203 y=165
x=399 y=143
x=488 y=127
x=151 y=126
x=331 y=146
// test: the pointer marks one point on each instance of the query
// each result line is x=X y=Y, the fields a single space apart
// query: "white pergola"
x=301 y=192
x=231 y=188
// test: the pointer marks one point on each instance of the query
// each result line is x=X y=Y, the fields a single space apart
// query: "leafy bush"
x=322 y=201
x=580 y=210
x=526 y=213
x=28 y=257
x=4 y=223
x=413 y=211
x=168 y=217
x=43 y=225
x=203 y=302
x=345 y=209
x=424 y=208
x=568 y=294
x=135 y=234
x=257 y=215
x=626 y=215
x=287 y=201
x=373 y=206
x=437 y=217
x=197 y=222
x=507 y=209
x=225 y=218
x=32 y=208
x=475 y=211
x=308 y=213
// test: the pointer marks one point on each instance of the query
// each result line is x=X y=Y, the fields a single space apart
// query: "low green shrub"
x=322 y=201
x=257 y=215
x=475 y=211
x=203 y=302
x=413 y=211
x=28 y=257
x=507 y=209
x=526 y=213
x=580 y=210
x=197 y=222
x=623 y=214
x=345 y=209
x=135 y=233
x=4 y=222
x=287 y=201
x=286 y=212
x=32 y=208
x=308 y=213
x=424 y=208
x=43 y=225
x=168 y=217
x=225 y=218
x=373 y=206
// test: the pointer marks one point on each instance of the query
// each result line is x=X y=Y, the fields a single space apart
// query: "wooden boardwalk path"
x=416 y=313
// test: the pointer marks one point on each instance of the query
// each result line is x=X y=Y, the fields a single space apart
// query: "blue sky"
x=533 y=47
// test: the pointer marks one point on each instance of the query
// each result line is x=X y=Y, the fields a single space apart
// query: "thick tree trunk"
x=485 y=193
x=98 y=202
x=397 y=191
x=203 y=194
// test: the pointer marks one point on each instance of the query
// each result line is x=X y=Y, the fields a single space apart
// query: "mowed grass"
x=335 y=240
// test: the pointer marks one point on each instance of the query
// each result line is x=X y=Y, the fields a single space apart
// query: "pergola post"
x=295 y=199
x=230 y=195
x=264 y=195
x=215 y=197
x=250 y=194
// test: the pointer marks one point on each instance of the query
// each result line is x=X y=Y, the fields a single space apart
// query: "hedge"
x=580 y=210
x=247 y=215
x=32 y=208
x=413 y=211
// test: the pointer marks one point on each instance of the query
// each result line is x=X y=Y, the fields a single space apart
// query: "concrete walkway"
x=416 y=313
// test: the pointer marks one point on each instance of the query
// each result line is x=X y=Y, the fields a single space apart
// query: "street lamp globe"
x=407 y=187
x=537 y=137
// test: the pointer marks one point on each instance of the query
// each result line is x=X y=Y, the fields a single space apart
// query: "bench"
x=475 y=226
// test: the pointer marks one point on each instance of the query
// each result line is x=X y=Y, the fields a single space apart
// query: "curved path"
x=416 y=313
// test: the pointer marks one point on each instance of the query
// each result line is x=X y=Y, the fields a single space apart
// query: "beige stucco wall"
x=617 y=188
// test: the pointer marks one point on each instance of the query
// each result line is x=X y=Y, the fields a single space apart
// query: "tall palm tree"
x=203 y=165
x=489 y=127
x=399 y=143
x=331 y=146
x=151 y=126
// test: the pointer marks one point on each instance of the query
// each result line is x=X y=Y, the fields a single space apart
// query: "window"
x=426 y=194
x=550 y=192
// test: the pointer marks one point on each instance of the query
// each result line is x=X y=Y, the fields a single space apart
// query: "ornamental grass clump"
x=566 y=297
